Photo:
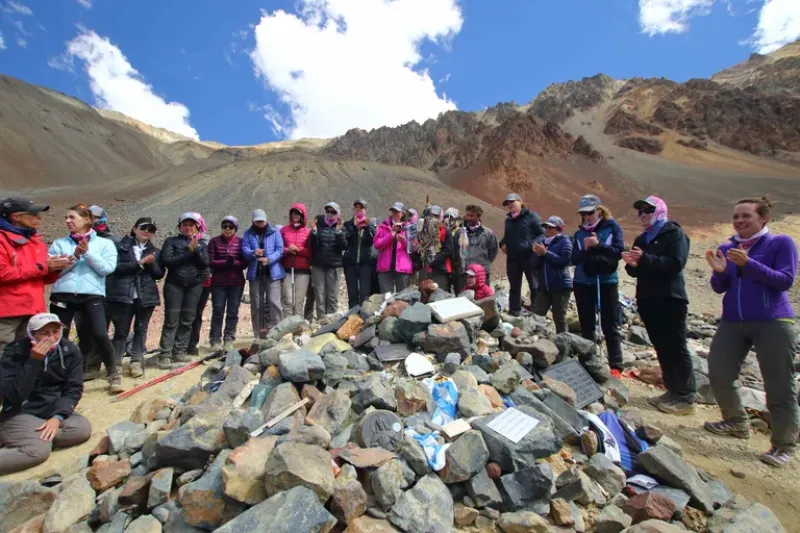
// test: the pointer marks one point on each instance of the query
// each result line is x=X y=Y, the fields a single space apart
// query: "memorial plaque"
x=392 y=352
x=333 y=327
x=454 y=309
x=573 y=374
x=381 y=429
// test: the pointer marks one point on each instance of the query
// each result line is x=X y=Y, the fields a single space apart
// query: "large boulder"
x=483 y=491
x=244 y=469
x=528 y=488
x=191 y=445
x=426 y=508
x=664 y=464
x=301 y=366
x=472 y=402
x=388 y=482
x=331 y=410
x=465 y=458
x=413 y=397
x=413 y=320
x=293 y=324
x=73 y=504
x=374 y=392
x=281 y=398
x=442 y=339
x=606 y=474
x=296 y=510
x=294 y=464
x=753 y=518
x=21 y=501
x=523 y=522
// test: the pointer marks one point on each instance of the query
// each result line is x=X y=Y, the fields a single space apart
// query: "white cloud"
x=670 y=16
x=86 y=4
x=16 y=7
x=778 y=24
x=118 y=86
x=2 y=42
x=340 y=64
x=20 y=27
x=22 y=43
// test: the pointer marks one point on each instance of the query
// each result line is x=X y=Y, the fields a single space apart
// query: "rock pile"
x=337 y=427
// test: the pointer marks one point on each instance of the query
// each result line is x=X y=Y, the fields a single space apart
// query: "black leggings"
x=586 y=300
x=122 y=314
x=95 y=322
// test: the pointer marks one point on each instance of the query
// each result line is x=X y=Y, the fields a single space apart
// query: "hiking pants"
x=326 y=290
x=11 y=329
x=586 y=299
x=359 y=283
x=392 y=281
x=302 y=284
x=180 y=310
x=265 y=314
x=665 y=321
x=775 y=343
x=558 y=301
x=121 y=315
x=225 y=302
x=95 y=324
x=515 y=271
x=22 y=447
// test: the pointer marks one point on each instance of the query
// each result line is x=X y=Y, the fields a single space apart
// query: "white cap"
x=259 y=215
x=39 y=321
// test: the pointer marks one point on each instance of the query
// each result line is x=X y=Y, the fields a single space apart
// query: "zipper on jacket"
x=739 y=299
x=766 y=297
x=358 y=246
x=546 y=283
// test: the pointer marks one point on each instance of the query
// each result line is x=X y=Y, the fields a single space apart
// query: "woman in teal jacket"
x=82 y=285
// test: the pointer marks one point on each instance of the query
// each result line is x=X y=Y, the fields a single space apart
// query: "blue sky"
x=247 y=72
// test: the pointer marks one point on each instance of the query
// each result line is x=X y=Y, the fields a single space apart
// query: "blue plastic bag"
x=445 y=395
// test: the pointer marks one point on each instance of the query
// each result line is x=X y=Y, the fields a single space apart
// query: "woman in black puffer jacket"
x=132 y=293
x=523 y=229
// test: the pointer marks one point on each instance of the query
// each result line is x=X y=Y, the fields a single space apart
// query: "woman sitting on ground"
x=41 y=378
x=755 y=270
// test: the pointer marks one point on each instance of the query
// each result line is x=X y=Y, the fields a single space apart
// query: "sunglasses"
x=648 y=210
x=592 y=212
x=147 y=229
x=228 y=226
x=330 y=212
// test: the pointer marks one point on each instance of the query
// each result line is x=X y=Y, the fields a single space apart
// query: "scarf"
x=548 y=240
x=591 y=227
x=658 y=219
x=515 y=215
x=331 y=220
x=201 y=224
x=101 y=227
x=78 y=237
x=473 y=229
x=746 y=244
x=360 y=218
x=24 y=232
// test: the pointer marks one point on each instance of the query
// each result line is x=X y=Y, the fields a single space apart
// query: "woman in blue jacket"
x=552 y=273
x=82 y=285
x=597 y=247
x=262 y=248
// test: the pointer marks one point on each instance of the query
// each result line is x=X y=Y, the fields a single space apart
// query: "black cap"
x=9 y=206
x=145 y=221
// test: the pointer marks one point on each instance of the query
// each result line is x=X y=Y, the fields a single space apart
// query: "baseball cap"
x=554 y=221
x=362 y=202
x=145 y=221
x=451 y=212
x=334 y=206
x=588 y=203
x=398 y=206
x=97 y=211
x=259 y=215
x=10 y=206
x=513 y=197
x=188 y=216
x=471 y=272
x=435 y=210
x=39 y=321
x=639 y=204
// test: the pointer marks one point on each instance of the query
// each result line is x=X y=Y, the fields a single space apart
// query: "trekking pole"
x=264 y=292
x=598 y=326
x=294 y=295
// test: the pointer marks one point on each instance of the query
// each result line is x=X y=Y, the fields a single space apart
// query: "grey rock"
x=314 y=435
x=414 y=319
x=544 y=353
x=525 y=360
x=296 y=510
x=356 y=361
x=720 y=493
x=119 y=432
x=388 y=483
x=118 y=524
x=280 y=398
x=597 y=368
x=160 y=487
x=21 y=501
x=133 y=443
x=412 y=452
x=540 y=442
x=441 y=339
x=387 y=330
x=107 y=506
x=240 y=423
x=507 y=377
x=487 y=363
x=528 y=488
x=335 y=368
x=465 y=458
x=233 y=358
x=483 y=491
x=295 y=464
x=374 y=392
x=331 y=411
x=612 y=519
x=705 y=394
x=176 y=522
x=190 y=446
x=412 y=397
x=236 y=380
x=291 y=324
x=606 y=474
x=410 y=295
x=638 y=335
x=480 y=375
x=73 y=504
x=678 y=497
x=204 y=501
x=301 y=366
x=617 y=390
x=472 y=402
x=754 y=518
x=582 y=489
x=425 y=508
x=188 y=477
x=575 y=346
x=144 y=524
x=161 y=513
x=451 y=363
x=556 y=409
x=662 y=463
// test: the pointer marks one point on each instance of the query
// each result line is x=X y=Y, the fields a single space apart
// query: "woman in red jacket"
x=296 y=260
x=227 y=283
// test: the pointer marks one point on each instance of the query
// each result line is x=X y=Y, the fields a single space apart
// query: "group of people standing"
x=99 y=279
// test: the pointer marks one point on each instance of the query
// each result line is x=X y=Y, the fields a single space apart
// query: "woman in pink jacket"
x=394 y=261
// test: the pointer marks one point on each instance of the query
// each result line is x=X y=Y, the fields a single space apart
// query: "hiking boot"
x=115 y=385
x=777 y=458
x=91 y=374
x=655 y=401
x=216 y=346
x=676 y=407
x=136 y=370
x=193 y=351
x=165 y=362
x=182 y=358
x=229 y=345
x=740 y=431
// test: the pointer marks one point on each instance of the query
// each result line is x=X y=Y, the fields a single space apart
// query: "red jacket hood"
x=300 y=207
x=480 y=275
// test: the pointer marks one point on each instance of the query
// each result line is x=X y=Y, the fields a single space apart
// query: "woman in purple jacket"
x=754 y=270
x=227 y=283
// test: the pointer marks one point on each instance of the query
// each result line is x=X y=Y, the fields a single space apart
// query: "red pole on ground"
x=169 y=375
